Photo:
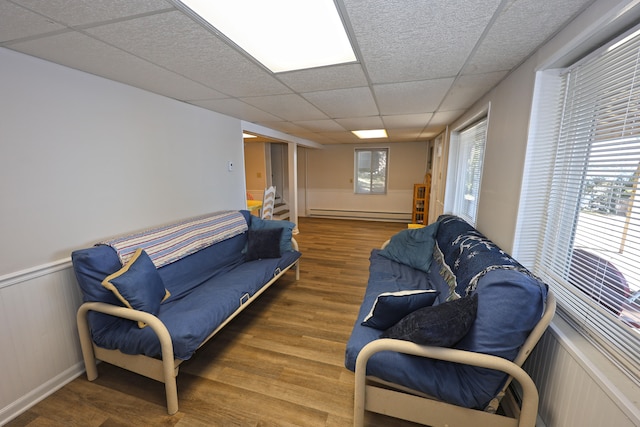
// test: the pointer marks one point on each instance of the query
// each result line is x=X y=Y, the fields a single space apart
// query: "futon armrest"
x=126 y=313
x=169 y=371
x=152 y=322
x=528 y=410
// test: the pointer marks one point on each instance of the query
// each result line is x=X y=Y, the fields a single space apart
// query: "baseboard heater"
x=367 y=216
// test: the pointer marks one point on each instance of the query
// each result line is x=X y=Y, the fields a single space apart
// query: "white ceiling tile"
x=177 y=43
x=325 y=78
x=432 y=131
x=286 y=127
x=82 y=12
x=235 y=108
x=84 y=53
x=16 y=22
x=359 y=123
x=405 y=135
x=338 y=103
x=467 y=89
x=521 y=27
x=445 y=117
x=320 y=125
x=405 y=41
x=288 y=107
x=411 y=97
x=346 y=138
x=407 y=121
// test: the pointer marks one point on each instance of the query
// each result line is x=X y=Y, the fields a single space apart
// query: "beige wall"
x=330 y=173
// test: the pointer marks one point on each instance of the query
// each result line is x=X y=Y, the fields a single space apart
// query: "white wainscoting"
x=578 y=387
x=40 y=350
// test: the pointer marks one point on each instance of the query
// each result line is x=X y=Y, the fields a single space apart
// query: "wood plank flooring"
x=279 y=363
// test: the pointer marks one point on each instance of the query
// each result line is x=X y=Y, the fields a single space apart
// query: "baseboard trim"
x=370 y=216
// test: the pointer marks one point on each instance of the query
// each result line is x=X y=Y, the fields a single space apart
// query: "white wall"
x=83 y=158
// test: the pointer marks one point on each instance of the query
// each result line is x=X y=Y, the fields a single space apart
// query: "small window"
x=371 y=171
x=469 y=146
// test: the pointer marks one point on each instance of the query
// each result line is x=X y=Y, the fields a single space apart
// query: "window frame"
x=463 y=143
x=550 y=228
x=356 y=171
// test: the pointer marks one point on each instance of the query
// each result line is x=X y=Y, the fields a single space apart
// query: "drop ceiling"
x=420 y=64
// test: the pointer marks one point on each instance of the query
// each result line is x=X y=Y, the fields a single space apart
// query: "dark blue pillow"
x=263 y=244
x=442 y=325
x=390 y=307
x=286 y=226
x=138 y=284
x=412 y=247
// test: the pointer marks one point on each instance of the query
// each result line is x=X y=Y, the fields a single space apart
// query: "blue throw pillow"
x=412 y=247
x=390 y=307
x=442 y=325
x=138 y=285
x=286 y=226
x=263 y=244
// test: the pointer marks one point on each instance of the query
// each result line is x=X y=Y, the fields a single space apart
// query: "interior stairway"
x=280 y=209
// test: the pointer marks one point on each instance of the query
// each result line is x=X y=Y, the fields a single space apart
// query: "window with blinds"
x=469 y=158
x=579 y=221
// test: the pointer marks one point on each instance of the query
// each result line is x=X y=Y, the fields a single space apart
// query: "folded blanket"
x=169 y=243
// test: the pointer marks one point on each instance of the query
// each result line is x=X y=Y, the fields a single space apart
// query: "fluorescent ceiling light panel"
x=248 y=135
x=283 y=35
x=370 y=134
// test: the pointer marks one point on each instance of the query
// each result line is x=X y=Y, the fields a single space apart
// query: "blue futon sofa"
x=151 y=299
x=447 y=286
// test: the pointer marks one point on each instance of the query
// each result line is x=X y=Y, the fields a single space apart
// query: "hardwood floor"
x=279 y=363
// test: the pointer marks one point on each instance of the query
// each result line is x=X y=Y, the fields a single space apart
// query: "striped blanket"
x=169 y=243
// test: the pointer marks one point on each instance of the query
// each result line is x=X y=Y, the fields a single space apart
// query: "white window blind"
x=371 y=171
x=579 y=222
x=470 y=155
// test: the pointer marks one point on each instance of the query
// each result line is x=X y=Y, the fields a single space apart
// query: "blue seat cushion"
x=192 y=318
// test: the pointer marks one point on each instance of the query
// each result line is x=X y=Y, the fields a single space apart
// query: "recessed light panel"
x=283 y=35
x=370 y=133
